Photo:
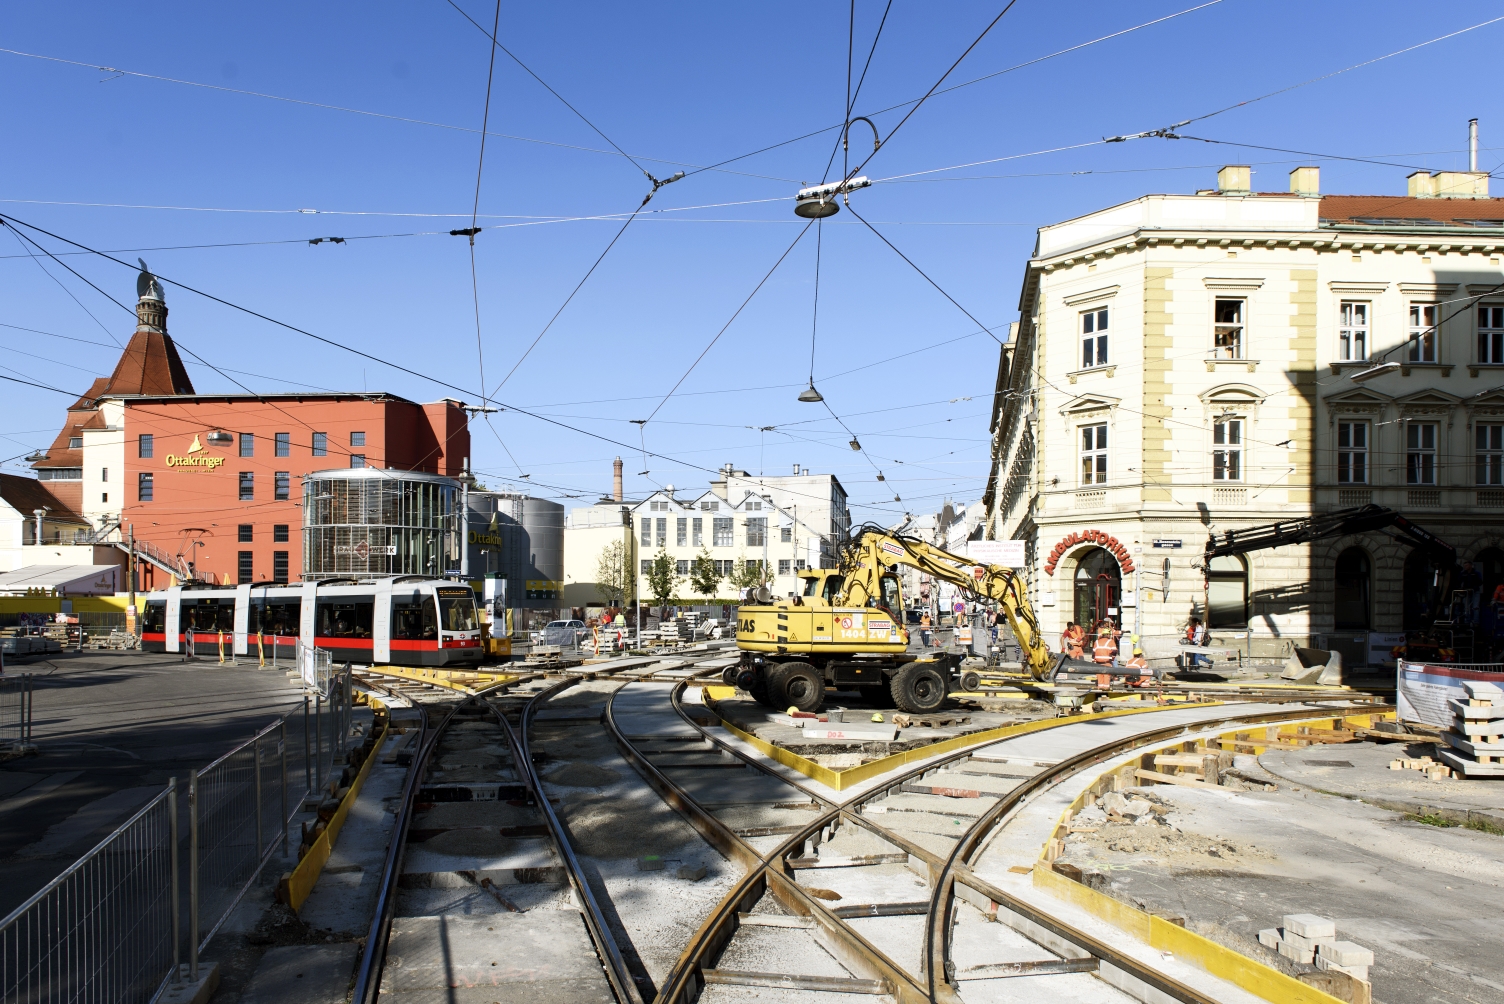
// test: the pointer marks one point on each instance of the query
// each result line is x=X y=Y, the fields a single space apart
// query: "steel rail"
x=615 y=966
x=373 y=957
x=770 y=872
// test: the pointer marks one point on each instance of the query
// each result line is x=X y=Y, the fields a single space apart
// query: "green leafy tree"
x=611 y=573
x=703 y=578
x=663 y=578
x=749 y=573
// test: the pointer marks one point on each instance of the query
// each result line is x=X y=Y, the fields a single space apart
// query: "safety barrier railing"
x=16 y=695
x=111 y=927
x=105 y=931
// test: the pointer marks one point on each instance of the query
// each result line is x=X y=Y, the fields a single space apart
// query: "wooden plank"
x=828 y=984
x=1182 y=779
x=1180 y=759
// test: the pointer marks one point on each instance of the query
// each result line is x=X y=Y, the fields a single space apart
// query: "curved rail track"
x=897 y=857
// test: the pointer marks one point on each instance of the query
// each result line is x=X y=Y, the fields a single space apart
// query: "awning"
x=67 y=580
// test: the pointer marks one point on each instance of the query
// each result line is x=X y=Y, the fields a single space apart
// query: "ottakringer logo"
x=192 y=458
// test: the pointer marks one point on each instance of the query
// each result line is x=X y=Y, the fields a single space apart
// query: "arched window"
x=1353 y=611
x=1227 y=593
x=1099 y=582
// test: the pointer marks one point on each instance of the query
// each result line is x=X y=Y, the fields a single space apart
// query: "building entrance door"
x=1098 y=585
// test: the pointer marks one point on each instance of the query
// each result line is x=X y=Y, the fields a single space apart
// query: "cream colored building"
x=1187 y=363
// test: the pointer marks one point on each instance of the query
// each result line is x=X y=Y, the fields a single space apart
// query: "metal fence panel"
x=15 y=710
x=105 y=930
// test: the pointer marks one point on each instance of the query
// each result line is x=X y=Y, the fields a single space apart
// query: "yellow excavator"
x=846 y=628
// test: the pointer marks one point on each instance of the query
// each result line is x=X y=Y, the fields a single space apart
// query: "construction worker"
x=1105 y=651
x=924 y=629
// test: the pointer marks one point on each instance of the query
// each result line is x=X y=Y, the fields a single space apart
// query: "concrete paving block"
x=1308 y=925
x=1346 y=953
x=1356 y=972
x=1483 y=691
x=692 y=873
x=650 y=863
x=1299 y=943
x=1269 y=938
x=1295 y=954
x=302 y=974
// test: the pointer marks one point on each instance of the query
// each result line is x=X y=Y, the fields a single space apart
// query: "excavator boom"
x=1339 y=523
x=873 y=552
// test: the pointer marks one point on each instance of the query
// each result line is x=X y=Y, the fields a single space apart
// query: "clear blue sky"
x=673 y=84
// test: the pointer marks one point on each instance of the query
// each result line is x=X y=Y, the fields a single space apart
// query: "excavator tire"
x=798 y=685
x=919 y=688
x=760 y=692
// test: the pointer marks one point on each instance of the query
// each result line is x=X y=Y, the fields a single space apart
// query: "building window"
x=284 y=444
x=662 y=535
x=279 y=533
x=723 y=568
x=697 y=531
x=75 y=442
x=1491 y=335
x=784 y=565
x=104 y=496
x=1420 y=453
x=681 y=567
x=247 y=486
x=143 y=487
x=357 y=460
x=1423 y=333
x=722 y=534
x=104 y=474
x=357 y=439
x=279 y=566
x=243 y=533
x=282 y=486
x=1352 y=336
x=658 y=506
x=1093 y=338
x=1490 y=440
x=681 y=532
x=785 y=535
x=757 y=531
x=247 y=444
x=1227 y=449
x=647 y=532
x=1227 y=593
x=247 y=566
x=710 y=507
x=753 y=504
x=321 y=444
x=144 y=445
x=1227 y=331
x=1354 y=577
x=647 y=566
x=1093 y=454
x=1352 y=453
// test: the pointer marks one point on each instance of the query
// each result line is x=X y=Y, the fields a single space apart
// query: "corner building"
x=210 y=485
x=1186 y=364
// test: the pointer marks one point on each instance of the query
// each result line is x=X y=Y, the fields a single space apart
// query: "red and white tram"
x=401 y=621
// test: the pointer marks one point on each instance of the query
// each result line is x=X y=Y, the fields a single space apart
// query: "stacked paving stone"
x=1307 y=939
x=1476 y=737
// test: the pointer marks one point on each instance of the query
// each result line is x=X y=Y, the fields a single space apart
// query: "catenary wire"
x=480 y=352
x=22 y=241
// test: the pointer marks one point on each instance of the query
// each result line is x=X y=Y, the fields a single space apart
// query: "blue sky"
x=676 y=86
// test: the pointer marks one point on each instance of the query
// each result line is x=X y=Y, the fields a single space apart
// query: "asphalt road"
x=111 y=728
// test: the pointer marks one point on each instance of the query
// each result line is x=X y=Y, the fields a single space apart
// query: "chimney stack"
x=1235 y=179
x=1306 y=182
x=616 y=490
x=1472 y=145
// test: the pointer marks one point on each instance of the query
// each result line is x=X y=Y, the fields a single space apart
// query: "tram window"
x=154 y=619
x=282 y=617
x=208 y=615
x=345 y=618
x=459 y=614
x=414 y=619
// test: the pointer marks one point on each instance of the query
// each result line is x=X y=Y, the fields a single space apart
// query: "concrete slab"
x=1370 y=779
x=546 y=956
x=303 y=974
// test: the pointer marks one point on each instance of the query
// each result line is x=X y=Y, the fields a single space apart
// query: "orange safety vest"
x=1104 y=650
x=1137 y=662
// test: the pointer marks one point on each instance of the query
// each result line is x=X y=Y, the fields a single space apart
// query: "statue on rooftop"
x=147 y=286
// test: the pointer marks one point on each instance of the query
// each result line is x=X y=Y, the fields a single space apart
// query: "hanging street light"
x=819 y=201
x=854 y=444
x=811 y=396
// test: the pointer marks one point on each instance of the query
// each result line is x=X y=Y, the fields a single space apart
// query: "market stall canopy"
x=66 y=580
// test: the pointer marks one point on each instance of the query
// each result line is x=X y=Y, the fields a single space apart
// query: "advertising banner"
x=1425 y=688
x=1008 y=553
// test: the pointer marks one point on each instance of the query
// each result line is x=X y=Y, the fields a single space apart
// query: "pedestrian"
x=1105 y=651
x=924 y=629
x=1195 y=635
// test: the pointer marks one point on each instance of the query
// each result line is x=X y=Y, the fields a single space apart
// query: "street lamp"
x=809 y=395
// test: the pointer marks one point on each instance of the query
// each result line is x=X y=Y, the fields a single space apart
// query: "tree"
x=703 y=578
x=663 y=578
x=611 y=573
x=749 y=573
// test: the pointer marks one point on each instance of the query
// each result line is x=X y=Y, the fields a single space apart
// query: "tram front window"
x=458 y=614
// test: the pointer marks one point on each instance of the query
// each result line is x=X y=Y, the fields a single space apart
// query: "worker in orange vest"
x=1105 y=651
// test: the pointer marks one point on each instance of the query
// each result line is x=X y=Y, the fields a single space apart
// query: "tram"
x=405 y=620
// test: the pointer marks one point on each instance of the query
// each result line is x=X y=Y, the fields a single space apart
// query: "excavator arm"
x=874 y=552
x=1339 y=523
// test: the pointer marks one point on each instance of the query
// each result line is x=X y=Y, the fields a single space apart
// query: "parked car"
x=569 y=632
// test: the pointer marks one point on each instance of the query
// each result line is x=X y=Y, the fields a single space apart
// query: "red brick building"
x=215 y=480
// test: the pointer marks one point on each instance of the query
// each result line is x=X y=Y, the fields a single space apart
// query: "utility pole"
x=130 y=572
x=465 y=520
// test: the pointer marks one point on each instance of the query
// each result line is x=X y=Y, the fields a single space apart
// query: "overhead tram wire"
x=480 y=353
x=366 y=355
x=23 y=240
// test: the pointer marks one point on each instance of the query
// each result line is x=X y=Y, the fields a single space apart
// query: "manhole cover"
x=1326 y=763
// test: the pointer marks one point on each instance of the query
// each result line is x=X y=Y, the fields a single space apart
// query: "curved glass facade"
x=367 y=523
